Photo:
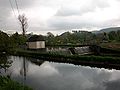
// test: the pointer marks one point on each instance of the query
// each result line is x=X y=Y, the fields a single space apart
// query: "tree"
x=4 y=42
x=17 y=40
x=49 y=34
x=4 y=62
x=112 y=35
x=23 y=20
x=118 y=35
x=105 y=37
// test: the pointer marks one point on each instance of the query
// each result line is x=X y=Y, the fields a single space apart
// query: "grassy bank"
x=74 y=45
x=8 y=84
x=103 y=61
x=104 y=50
x=111 y=45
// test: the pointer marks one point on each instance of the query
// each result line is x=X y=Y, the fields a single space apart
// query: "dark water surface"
x=59 y=76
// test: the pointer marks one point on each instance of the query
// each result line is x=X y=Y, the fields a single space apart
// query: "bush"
x=8 y=84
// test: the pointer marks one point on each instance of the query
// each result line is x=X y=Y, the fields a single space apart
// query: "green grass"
x=67 y=58
x=8 y=84
x=111 y=45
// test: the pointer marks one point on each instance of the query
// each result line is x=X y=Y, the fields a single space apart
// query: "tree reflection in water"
x=5 y=63
x=24 y=69
x=25 y=65
x=36 y=61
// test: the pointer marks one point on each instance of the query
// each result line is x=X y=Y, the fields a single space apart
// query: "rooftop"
x=34 y=38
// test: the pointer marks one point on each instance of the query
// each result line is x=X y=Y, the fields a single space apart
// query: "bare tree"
x=23 y=21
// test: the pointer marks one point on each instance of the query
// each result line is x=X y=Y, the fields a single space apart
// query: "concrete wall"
x=36 y=45
x=40 y=44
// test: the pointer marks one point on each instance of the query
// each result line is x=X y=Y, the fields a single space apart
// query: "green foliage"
x=4 y=63
x=67 y=38
x=8 y=43
x=5 y=43
x=17 y=40
x=114 y=35
x=8 y=84
x=82 y=37
x=5 y=82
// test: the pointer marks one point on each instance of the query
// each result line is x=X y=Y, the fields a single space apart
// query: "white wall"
x=36 y=45
x=40 y=44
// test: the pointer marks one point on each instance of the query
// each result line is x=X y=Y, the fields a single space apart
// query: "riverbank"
x=8 y=84
x=95 y=61
x=111 y=45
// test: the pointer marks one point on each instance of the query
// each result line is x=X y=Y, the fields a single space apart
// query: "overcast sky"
x=58 y=16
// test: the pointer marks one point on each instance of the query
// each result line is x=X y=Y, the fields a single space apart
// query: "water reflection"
x=36 y=61
x=24 y=69
x=5 y=63
x=56 y=76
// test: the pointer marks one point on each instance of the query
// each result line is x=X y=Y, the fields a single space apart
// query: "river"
x=47 y=75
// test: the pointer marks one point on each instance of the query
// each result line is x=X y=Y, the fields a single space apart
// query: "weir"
x=81 y=50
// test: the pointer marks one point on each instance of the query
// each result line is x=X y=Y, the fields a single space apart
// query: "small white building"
x=36 y=42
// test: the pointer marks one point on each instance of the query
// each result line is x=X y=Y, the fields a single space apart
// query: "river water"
x=46 y=75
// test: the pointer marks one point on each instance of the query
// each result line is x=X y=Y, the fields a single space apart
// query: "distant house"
x=36 y=42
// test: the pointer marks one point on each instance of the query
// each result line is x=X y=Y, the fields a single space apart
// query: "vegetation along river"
x=45 y=75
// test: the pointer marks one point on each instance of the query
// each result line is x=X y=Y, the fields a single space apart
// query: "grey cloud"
x=88 y=7
x=4 y=3
x=5 y=9
x=49 y=3
x=4 y=13
x=8 y=21
x=117 y=0
x=5 y=17
x=72 y=11
x=11 y=23
x=67 y=24
x=69 y=16
x=100 y=3
x=23 y=5
x=60 y=23
x=66 y=12
x=112 y=85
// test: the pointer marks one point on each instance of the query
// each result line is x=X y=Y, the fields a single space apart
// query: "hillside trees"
x=114 y=35
x=82 y=37
x=68 y=38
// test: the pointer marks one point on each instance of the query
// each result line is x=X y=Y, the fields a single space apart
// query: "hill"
x=107 y=30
